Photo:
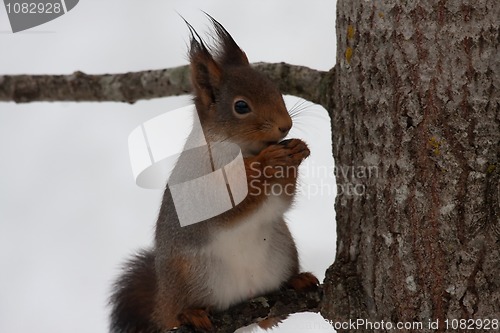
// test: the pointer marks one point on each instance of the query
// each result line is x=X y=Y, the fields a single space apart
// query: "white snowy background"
x=70 y=212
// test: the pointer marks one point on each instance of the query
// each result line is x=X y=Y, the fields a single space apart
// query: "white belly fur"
x=246 y=264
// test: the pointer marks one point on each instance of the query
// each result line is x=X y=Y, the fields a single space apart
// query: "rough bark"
x=416 y=126
x=277 y=305
x=129 y=87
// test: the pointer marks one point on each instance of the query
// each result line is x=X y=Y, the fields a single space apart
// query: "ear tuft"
x=227 y=52
x=206 y=73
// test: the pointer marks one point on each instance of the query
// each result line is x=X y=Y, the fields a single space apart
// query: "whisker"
x=298 y=104
x=298 y=108
x=299 y=101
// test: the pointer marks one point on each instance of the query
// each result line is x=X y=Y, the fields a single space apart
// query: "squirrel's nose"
x=285 y=129
x=284 y=126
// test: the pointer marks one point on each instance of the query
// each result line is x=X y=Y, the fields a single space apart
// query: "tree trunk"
x=416 y=140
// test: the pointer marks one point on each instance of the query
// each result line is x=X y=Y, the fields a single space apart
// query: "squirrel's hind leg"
x=303 y=281
x=197 y=318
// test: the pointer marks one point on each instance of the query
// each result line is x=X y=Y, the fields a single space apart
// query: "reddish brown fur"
x=197 y=318
x=164 y=289
x=303 y=281
x=271 y=322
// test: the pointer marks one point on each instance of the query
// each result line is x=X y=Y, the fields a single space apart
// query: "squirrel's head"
x=235 y=102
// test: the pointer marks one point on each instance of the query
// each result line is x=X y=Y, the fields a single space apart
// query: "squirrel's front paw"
x=287 y=154
x=276 y=164
x=297 y=150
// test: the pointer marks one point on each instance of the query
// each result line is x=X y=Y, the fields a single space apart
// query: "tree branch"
x=133 y=86
x=276 y=305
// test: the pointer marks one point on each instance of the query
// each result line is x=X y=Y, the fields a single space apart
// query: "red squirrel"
x=244 y=252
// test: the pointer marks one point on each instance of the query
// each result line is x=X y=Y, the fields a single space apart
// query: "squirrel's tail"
x=133 y=296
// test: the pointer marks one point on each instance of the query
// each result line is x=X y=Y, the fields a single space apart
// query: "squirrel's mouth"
x=255 y=148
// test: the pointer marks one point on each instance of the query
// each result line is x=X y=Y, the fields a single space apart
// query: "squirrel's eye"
x=241 y=107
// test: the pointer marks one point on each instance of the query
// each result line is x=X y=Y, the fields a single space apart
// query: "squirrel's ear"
x=228 y=52
x=205 y=73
